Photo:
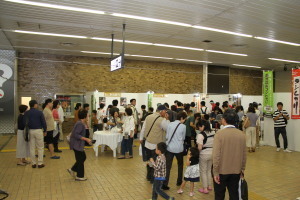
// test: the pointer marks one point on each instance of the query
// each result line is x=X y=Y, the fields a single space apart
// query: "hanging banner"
x=295 y=93
x=150 y=99
x=268 y=92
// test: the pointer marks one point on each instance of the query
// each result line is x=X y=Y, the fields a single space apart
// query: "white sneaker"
x=71 y=172
x=80 y=179
x=287 y=151
x=278 y=149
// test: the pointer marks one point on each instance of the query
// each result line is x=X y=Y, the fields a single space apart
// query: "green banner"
x=150 y=98
x=267 y=92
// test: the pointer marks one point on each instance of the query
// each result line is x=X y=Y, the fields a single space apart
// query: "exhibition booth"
x=267 y=125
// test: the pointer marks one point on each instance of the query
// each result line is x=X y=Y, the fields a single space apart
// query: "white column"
x=205 y=78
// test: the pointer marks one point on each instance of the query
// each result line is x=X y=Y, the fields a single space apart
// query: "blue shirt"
x=176 y=144
x=36 y=119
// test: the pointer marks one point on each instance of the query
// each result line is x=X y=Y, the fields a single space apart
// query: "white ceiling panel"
x=276 y=19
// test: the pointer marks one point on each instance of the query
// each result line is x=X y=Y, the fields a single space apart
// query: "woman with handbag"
x=250 y=127
x=22 y=145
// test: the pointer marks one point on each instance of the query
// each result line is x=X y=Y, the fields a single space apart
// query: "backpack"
x=205 y=137
x=204 y=111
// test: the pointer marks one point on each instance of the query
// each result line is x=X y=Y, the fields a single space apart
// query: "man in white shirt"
x=61 y=116
x=101 y=114
x=135 y=115
x=204 y=110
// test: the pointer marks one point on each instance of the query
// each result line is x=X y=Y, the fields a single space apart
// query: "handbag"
x=247 y=123
x=243 y=189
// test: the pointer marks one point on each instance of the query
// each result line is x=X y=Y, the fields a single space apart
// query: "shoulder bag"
x=26 y=129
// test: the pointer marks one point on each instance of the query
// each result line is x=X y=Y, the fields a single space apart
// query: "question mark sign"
x=7 y=73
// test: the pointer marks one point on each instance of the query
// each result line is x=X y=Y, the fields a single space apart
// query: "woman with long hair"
x=56 y=132
x=77 y=108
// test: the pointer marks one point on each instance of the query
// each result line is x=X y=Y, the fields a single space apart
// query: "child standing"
x=192 y=173
x=159 y=172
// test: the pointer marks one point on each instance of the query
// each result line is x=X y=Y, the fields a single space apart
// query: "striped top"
x=280 y=122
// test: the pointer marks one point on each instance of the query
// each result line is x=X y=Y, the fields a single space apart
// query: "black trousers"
x=229 y=181
x=79 y=164
x=87 y=135
x=169 y=161
x=55 y=141
x=282 y=131
x=150 y=170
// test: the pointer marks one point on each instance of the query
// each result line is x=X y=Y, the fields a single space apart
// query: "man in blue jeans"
x=280 y=118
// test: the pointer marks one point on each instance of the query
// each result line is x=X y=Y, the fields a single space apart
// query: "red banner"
x=296 y=94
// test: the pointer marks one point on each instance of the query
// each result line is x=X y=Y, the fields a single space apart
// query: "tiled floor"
x=270 y=176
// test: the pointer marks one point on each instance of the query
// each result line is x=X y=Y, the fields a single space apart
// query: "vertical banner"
x=268 y=92
x=295 y=93
x=197 y=100
x=150 y=99
x=7 y=91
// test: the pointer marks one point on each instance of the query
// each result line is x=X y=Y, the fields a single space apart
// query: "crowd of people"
x=214 y=140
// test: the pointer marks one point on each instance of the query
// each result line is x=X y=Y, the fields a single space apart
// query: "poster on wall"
x=295 y=93
x=123 y=101
x=102 y=100
x=268 y=93
x=7 y=91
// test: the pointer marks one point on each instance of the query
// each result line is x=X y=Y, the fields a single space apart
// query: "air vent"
x=239 y=45
x=68 y=44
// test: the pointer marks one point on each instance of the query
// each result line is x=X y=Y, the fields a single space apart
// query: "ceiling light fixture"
x=283 y=60
x=246 y=66
x=225 y=52
x=178 y=47
x=127 y=41
x=94 y=52
x=192 y=60
x=47 y=5
x=50 y=34
x=152 y=57
x=277 y=41
x=151 y=19
x=221 y=31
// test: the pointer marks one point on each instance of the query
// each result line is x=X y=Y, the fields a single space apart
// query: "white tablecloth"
x=107 y=138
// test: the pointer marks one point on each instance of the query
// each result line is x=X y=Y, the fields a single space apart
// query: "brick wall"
x=43 y=75
x=246 y=82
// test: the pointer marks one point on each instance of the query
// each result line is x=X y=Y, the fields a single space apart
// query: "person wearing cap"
x=37 y=130
x=154 y=131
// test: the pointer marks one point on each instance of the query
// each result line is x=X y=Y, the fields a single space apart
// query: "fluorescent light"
x=128 y=41
x=137 y=42
x=106 y=39
x=95 y=52
x=193 y=60
x=47 y=5
x=283 y=60
x=246 y=66
x=221 y=31
x=50 y=34
x=151 y=19
x=277 y=41
x=225 y=52
x=178 y=47
x=152 y=57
